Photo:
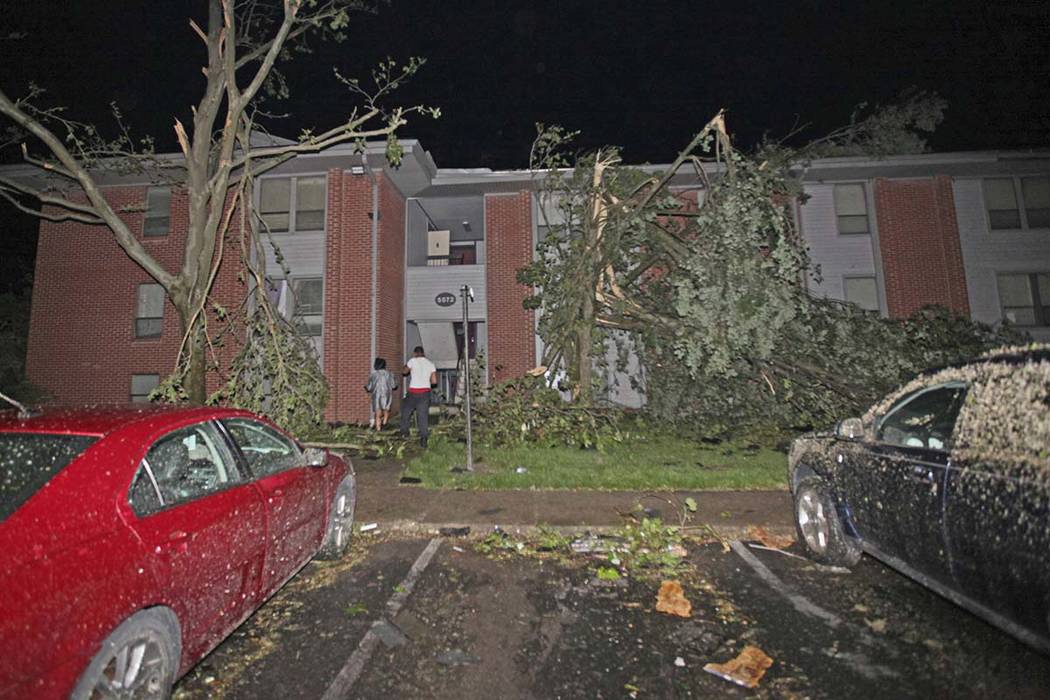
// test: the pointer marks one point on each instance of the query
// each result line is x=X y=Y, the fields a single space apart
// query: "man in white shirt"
x=422 y=375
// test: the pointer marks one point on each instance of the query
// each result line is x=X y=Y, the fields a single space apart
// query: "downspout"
x=375 y=257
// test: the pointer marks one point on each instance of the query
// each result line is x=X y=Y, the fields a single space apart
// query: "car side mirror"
x=315 y=457
x=850 y=429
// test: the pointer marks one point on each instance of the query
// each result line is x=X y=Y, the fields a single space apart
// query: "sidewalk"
x=381 y=499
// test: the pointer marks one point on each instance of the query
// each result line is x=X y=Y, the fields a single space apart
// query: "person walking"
x=381 y=385
x=422 y=375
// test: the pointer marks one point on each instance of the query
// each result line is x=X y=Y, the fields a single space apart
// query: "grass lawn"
x=657 y=463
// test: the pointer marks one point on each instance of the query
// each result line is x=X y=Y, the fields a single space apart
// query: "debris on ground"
x=389 y=634
x=521 y=470
x=746 y=669
x=589 y=544
x=878 y=625
x=456 y=657
x=369 y=526
x=767 y=538
x=454 y=531
x=457 y=549
x=718 y=536
x=410 y=480
x=671 y=600
x=677 y=550
x=679 y=662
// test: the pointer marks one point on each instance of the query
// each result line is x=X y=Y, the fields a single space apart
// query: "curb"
x=412 y=527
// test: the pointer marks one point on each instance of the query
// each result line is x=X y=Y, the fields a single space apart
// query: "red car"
x=136 y=539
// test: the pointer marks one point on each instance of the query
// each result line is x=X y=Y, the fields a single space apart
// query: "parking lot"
x=454 y=623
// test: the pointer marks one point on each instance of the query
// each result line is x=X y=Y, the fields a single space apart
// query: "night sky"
x=641 y=75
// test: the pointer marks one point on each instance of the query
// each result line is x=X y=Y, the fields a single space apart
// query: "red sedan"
x=135 y=539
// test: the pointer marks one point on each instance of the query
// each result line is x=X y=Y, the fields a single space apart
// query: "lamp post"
x=468 y=296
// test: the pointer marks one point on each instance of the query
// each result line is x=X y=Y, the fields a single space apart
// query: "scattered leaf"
x=671 y=600
x=877 y=625
x=768 y=539
x=746 y=669
x=607 y=573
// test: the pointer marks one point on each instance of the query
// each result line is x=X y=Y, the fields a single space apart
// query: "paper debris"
x=671 y=600
x=369 y=526
x=746 y=669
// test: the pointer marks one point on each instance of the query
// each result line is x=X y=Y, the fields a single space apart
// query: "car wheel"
x=340 y=521
x=819 y=526
x=138 y=660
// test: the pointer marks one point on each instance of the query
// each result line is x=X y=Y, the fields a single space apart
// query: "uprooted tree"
x=245 y=44
x=707 y=293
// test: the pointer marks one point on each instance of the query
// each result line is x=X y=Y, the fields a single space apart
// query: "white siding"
x=303 y=254
x=423 y=284
x=838 y=255
x=987 y=253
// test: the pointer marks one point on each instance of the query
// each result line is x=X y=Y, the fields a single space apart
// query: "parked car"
x=135 y=539
x=948 y=481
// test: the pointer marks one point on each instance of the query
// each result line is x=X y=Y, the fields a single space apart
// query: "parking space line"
x=348 y=675
x=799 y=602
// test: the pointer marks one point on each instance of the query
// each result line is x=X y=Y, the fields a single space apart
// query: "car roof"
x=1035 y=352
x=103 y=419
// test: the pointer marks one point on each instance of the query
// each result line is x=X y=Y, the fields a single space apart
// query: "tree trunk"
x=193 y=383
x=583 y=348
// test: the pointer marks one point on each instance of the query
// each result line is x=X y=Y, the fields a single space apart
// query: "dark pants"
x=420 y=403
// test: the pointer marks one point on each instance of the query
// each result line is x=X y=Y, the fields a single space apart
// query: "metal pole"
x=465 y=291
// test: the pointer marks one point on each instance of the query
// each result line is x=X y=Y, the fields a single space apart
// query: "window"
x=29 y=460
x=1007 y=210
x=266 y=450
x=142 y=385
x=309 y=305
x=924 y=419
x=1025 y=298
x=861 y=291
x=851 y=208
x=182 y=466
x=1036 y=194
x=292 y=204
x=149 y=311
x=158 y=212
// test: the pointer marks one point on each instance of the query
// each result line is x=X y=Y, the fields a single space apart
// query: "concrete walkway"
x=381 y=499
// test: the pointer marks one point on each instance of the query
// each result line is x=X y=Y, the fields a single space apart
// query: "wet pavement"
x=528 y=626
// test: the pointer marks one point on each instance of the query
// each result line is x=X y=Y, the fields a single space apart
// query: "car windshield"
x=29 y=460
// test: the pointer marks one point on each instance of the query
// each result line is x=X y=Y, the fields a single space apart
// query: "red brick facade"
x=919 y=244
x=391 y=322
x=82 y=344
x=508 y=246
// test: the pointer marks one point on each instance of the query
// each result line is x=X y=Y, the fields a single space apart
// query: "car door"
x=998 y=504
x=294 y=495
x=205 y=523
x=896 y=479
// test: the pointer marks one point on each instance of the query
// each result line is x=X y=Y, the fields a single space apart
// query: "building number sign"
x=445 y=299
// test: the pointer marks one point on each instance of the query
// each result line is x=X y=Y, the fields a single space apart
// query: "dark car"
x=135 y=539
x=948 y=481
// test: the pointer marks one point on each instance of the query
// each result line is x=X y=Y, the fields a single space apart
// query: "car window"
x=29 y=460
x=180 y=467
x=266 y=450
x=924 y=419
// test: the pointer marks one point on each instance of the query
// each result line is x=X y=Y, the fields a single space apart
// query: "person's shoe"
x=423 y=442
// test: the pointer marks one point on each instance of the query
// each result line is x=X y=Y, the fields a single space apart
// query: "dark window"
x=29 y=460
x=1000 y=198
x=1025 y=298
x=924 y=419
x=149 y=311
x=293 y=204
x=266 y=450
x=158 y=212
x=142 y=385
x=851 y=208
x=308 y=313
x=1036 y=194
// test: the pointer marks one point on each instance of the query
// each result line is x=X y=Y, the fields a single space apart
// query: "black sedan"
x=948 y=481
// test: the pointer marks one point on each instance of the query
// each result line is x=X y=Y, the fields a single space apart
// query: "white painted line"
x=799 y=602
x=348 y=675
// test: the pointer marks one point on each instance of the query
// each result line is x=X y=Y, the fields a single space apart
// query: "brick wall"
x=508 y=246
x=390 y=309
x=919 y=244
x=82 y=345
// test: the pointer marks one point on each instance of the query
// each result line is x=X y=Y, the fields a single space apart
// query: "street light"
x=467 y=293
